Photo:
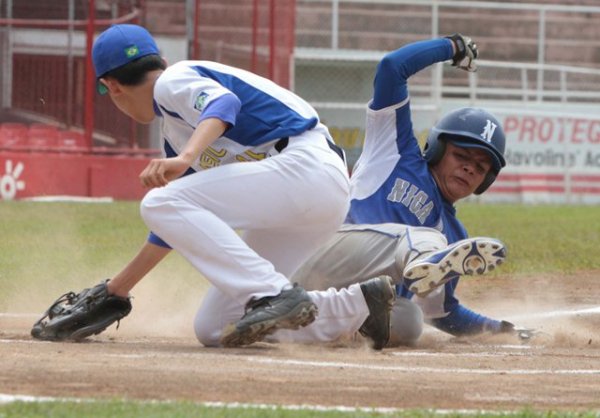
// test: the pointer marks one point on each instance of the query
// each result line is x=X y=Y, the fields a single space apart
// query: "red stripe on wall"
x=585 y=177
x=586 y=189
x=526 y=189
x=528 y=176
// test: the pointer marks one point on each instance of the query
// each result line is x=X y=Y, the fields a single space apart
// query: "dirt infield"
x=558 y=370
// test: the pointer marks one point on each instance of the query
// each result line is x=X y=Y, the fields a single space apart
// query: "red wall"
x=24 y=175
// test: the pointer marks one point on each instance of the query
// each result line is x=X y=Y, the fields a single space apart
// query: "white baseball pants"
x=286 y=206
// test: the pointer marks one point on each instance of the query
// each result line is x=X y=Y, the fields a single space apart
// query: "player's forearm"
x=145 y=260
x=414 y=57
x=396 y=67
x=207 y=132
x=462 y=321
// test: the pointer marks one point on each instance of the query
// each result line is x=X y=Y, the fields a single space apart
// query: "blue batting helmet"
x=469 y=127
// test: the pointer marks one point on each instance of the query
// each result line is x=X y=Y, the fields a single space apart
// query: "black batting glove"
x=524 y=334
x=465 y=52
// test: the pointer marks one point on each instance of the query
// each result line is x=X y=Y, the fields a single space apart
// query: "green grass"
x=48 y=248
x=133 y=409
x=540 y=239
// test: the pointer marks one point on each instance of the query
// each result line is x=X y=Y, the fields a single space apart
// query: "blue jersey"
x=391 y=181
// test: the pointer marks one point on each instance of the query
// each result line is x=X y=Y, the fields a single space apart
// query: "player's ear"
x=110 y=85
x=165 y=61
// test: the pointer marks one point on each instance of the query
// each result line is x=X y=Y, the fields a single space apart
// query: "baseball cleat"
x=467 y=257
x=291 y=309
x=379 y=294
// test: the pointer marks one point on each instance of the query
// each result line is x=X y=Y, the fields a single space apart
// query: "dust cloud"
x=561 y=308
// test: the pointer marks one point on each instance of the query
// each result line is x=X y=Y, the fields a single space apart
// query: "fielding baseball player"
x=258 y=160
x=394 y=184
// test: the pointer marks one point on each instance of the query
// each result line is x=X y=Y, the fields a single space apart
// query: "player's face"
x=460 y=171
x=135 y=101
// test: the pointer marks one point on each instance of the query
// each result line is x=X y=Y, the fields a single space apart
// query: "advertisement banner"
x=550 y=158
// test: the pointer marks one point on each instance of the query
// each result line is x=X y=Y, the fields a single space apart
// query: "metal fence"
x=257 y=35
x=46 y=76
x=530 y=51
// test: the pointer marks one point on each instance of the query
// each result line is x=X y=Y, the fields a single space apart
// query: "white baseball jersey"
x=191 y=91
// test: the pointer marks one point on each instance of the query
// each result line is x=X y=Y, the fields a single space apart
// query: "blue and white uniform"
x=259 y=112
x=397 y=212
x=273 y=175
x=391 y=181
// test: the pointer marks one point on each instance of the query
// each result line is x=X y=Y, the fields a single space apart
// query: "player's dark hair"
x=134 y=72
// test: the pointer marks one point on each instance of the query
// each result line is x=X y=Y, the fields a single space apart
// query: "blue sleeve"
x=393 y=71
x=155 y=239
x=225 y=108
x=463 y=321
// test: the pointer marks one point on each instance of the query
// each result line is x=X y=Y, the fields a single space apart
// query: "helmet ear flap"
x=490 y=177
x=434 y=148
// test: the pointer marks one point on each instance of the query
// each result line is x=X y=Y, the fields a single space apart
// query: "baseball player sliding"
x=394 y=184
x=241 y=153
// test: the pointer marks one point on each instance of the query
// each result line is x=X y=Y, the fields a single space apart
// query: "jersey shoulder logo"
x=488 y=131
x=200 y=101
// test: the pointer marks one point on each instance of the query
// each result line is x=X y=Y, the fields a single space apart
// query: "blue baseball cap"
x=119 y=45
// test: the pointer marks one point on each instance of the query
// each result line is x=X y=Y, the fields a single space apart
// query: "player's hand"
x=159 y=172
x=523 y=334
x=465 y=52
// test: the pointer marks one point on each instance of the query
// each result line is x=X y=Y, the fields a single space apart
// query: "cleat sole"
x=476 y=257
x=302 y=315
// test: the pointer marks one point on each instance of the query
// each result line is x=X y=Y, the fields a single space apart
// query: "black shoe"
x=379 y=294
x=291 y=309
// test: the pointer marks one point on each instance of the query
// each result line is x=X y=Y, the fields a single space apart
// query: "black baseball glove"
x=75 y=316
